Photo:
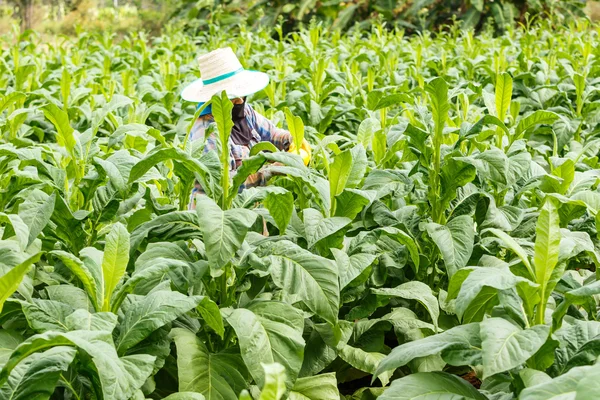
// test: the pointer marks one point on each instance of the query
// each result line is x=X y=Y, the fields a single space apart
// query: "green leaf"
x=263 y=147
x=9 y=340
x=46 y=315
x=438 y=98
x=222 y=231
x=82 y=320
x=339 y=171
x=366 y=130
x=319 y=387
x=114 y=262
x=10 y=281
x=547 y=243
x=504 y=87
x=454 y=240
x=359 y=166
x=90 y=280
x=151 y=313
x=536 y=118
x=119 y=378
x=280 y=206
x=36 y=214
x=431 y=386
x=559 y=388
x=350 y=267
x=185 y=396
x=468 y=303
x=269 y=332
x=506 y=346
x=319 y=228
x=218 y=376
x=463 y=340
x=312 y=278
x=364 y=361
x=36 y=377
x=418 y=291
x=211 y=314
x=406 y=240
x=60 y=119
x=274 y=387
x=579 y=344
x=515 y=247
x=158 y=155
x=296 y=128
x=352 y=201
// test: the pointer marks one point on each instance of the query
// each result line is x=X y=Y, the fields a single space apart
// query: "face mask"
x=241 y=134
x=237 y=113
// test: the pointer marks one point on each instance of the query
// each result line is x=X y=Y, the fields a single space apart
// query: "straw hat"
x=221 y=70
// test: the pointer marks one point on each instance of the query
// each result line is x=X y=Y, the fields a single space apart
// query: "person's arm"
x=268 y=132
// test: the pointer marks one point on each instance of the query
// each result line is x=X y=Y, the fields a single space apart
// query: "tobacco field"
x=443 y=242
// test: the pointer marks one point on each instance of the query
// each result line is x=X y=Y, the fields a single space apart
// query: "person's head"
x=222 y=71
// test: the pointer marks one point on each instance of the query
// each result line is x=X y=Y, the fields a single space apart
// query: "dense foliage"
x=443 y=242
x=414 y=15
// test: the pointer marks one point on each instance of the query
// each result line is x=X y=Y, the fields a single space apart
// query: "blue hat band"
x=222 y=77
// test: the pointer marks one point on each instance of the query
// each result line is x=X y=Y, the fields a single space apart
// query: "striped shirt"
x=263 y=130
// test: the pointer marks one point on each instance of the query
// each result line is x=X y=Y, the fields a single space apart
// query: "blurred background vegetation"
x=122 y=16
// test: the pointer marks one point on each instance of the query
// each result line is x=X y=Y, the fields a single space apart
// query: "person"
x=222 y=71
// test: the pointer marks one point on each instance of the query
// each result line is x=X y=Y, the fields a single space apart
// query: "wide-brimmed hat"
x=221 y=70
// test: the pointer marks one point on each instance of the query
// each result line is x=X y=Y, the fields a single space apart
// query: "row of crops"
x=441 y=244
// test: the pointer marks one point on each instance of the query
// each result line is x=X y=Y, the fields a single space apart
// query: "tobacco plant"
x=442 y=242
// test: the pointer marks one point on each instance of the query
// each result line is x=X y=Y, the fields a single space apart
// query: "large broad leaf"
x=223 y=231
x=36 y=377
x=491 y=165
x=83 y=320
x=318 y=227
x=280 y=206
x=312 y=278
x=461 y=345
x=119 y=378
x=506 y=346
x=364 y=361
x=366 y=130
x=159 y=154
x=218 y=376
x=9 y=340
x=455 y=241
x=91 y=280
x=564 y=387
x=274 y=387
x=469 y=306
x=547 y=243
x=319 y=387
x=359 y=166
x=114 y=262
x=431 y=386
x=269 y=332
x=60 y=119
x=46 y=315
x=512 y=244
x=504 y=87
x=296 y=128
x=149 y=314
x=339 y=171
x=418 y=291
x=438 y=97
x=36 y=214
x=533 y=119
x=10 y=281
x=579 y=344
x=350 y=267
